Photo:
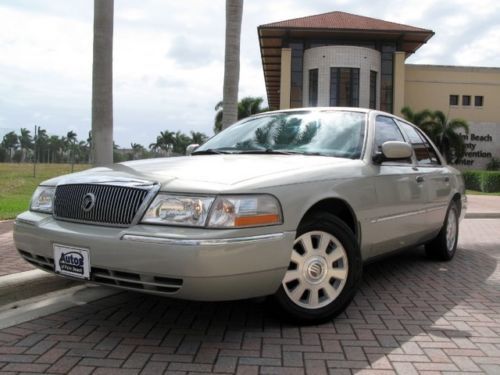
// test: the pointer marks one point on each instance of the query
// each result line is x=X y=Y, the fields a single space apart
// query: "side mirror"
x=191 y=148
x=393 y=150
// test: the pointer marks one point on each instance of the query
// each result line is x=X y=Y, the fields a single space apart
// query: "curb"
x=482 y=215
x=23 y=285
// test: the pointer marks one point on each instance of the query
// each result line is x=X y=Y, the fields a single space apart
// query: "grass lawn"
x=473 y=192
x=17 y=184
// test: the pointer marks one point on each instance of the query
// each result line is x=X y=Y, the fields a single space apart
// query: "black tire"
x=316 y=225
x=442 y=247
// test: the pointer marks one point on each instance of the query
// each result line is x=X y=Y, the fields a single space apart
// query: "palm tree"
x=10 y=142
x=181 y=141
x=41 y=142
x=102 y=83
x=164 y=141
x=234 y=13
x=137 y=150
x=444 y=133
x=198 y=138
x=247 y=106
x=25 y=142
x=416 y=118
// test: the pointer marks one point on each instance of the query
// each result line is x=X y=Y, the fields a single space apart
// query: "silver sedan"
x=288 y=204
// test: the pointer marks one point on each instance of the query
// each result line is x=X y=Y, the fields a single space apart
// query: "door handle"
x=419 y=179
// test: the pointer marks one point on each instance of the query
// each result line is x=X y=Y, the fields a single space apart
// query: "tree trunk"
x=102 y=83
x=234 y=12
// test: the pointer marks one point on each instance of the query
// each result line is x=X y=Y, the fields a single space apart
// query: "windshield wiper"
x=210 y=151
x=266 y=151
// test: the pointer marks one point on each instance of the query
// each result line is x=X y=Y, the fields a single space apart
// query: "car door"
x=400 y=195
x=436 y=179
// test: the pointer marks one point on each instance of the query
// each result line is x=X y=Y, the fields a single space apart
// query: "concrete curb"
x=23 y=285
x=482 y=215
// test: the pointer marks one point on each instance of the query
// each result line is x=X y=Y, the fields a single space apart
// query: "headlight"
x=236 y=211
x=245 y=211
x=178 y=210
x=43 y=199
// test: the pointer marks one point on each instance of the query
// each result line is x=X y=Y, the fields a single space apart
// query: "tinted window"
x=466 y=100
x=386 y=130
x=478 y=101
x=453 y=99
x=424 y=152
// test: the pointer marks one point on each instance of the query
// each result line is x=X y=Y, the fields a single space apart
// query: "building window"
x=344 y=87
x=373 y=89
x=297 y=66
x=453 y=99
x=465 y=99
x=478 y=101
x=386 y=76
x=313 y=88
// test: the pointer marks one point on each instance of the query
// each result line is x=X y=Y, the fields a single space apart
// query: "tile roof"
x=342 y=21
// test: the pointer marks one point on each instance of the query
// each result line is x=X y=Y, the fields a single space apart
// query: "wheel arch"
x=341 y=209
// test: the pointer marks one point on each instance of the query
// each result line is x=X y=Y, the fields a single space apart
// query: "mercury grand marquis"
x=287 y=204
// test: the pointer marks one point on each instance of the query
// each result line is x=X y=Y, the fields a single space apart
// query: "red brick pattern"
x=411 y=316
x=10 y=262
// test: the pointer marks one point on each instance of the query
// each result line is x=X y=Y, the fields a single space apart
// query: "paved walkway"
x=484 y=204
x=10 y=262
x=412 y=315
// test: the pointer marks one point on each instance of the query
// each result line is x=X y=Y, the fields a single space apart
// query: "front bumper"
x=188 y=263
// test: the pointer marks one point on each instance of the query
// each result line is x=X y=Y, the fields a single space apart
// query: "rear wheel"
x=324 y=271
x=444 y=246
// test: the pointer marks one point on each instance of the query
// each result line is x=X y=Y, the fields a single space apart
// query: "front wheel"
x=444 y=246
x=324 y=271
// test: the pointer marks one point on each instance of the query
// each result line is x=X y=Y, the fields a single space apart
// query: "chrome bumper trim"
x=208 y=242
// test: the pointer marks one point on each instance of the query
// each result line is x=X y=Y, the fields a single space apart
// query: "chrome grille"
x=113 y=205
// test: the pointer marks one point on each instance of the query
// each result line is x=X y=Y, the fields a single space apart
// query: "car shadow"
x=409 y=309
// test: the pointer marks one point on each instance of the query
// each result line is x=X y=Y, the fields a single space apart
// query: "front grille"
x=112 y=204
x=126 y=280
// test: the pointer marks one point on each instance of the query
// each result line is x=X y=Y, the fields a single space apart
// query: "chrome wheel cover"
x=451 y=230
x=318 y=270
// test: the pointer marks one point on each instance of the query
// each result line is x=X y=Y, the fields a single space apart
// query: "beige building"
x=341 y=59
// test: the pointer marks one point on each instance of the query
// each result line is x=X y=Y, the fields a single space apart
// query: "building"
x=342 y=59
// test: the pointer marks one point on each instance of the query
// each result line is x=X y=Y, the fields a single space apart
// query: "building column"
x=286 y=78
x=398 y=93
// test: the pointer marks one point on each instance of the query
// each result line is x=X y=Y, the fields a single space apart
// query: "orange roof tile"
x=342 y=21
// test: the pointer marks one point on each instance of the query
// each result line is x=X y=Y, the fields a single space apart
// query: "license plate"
x=72 y=261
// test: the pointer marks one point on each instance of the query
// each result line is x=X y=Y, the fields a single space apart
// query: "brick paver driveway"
x=411 y=316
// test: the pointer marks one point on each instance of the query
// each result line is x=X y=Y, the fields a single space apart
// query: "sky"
x=169 y=54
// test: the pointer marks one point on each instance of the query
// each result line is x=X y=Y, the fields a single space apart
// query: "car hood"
x=207 y=170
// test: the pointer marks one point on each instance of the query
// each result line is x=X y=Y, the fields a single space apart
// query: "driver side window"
x=387 y=130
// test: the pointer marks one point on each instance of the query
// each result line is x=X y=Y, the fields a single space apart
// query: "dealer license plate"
x=72 y=261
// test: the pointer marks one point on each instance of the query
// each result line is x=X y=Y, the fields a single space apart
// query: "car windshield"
x=327 y=133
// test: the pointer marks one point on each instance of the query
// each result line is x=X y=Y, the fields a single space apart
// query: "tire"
x=444 y=246
x=324 y=272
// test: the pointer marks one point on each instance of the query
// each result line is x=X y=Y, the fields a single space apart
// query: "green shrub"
x=493 y=165
x=485 y=181
x=472 y=180
x=490 y=182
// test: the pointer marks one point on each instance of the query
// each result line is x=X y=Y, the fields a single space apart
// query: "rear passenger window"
x=424 y=152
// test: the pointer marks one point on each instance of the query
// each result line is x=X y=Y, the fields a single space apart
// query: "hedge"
x=485 y=181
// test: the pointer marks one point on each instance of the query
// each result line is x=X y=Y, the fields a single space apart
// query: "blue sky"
x=168 y=56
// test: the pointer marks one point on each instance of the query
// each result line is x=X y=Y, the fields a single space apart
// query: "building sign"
x=481 y=145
